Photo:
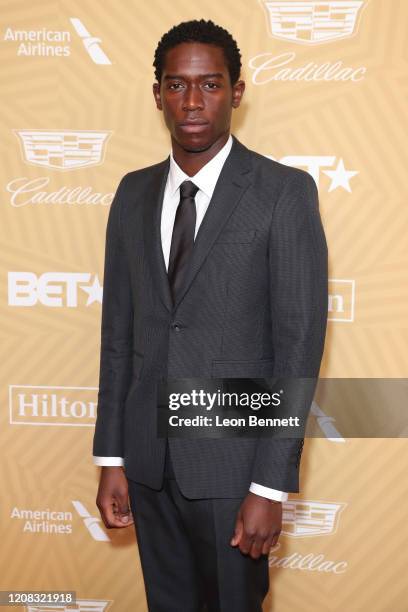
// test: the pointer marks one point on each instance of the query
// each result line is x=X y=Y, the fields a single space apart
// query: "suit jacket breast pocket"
x=233 y=237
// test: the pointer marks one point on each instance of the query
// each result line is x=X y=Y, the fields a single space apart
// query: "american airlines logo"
x=92 y=523
x=43 y=521
x=326 y=424
x=44 y=42
x=63 y=149
x=312 y=22
x=91 y=43
x=54 y=289
x=303 y=518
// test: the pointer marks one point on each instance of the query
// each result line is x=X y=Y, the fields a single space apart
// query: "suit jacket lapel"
x=232 y=183
x=152 y=230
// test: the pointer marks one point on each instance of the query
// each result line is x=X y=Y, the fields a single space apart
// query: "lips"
x=194 y=121
x=193 y=126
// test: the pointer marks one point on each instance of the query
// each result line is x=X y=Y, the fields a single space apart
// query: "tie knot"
x=187 y=190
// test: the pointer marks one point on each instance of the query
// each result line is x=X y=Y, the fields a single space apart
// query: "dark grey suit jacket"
x=254 y=304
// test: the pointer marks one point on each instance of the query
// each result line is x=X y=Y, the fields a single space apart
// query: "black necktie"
x=182 y=240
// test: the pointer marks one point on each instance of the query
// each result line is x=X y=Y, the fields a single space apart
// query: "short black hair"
x=204 y=32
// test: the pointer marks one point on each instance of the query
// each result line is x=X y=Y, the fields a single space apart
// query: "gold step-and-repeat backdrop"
x=326 y=91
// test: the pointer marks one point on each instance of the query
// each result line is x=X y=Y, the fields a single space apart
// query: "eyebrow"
x=201 y=76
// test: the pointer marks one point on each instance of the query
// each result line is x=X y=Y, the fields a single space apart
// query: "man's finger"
x=112 y=519
x=125 y=515
x=239 y=530
x=256 y=548
x=267 y=545
x=275 y=538
x=246 y=542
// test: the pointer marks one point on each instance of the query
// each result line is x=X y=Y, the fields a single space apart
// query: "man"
x=215 y=266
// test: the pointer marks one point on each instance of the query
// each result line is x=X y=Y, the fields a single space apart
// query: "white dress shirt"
x=205 y=179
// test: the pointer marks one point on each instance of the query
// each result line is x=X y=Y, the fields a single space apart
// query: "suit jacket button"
x=176 y=327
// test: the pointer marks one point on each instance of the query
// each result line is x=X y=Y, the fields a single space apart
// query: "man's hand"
x=258 y=525
x=112 y=498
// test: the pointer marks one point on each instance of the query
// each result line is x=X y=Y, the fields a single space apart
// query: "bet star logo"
x=340 y=177
x=55 y=289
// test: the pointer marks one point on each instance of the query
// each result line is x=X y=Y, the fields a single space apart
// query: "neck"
x=192 y=161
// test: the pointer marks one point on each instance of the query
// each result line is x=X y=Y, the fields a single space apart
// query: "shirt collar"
x=206 y=178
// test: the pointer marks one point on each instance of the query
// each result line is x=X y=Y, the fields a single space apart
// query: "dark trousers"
x=188 y=564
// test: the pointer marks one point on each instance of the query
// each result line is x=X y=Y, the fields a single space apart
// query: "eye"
x=213 y=85
x=175 y=85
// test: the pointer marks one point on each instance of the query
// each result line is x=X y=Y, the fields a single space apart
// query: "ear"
x=157 y=97
x=237 y=93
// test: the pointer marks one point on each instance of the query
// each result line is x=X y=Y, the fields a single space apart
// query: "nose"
x=193 y=98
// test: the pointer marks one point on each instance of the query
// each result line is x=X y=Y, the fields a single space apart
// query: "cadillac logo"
x=63 y=150
x=302 y=518
x=312 y=21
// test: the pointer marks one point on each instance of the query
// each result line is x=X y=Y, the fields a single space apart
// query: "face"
x=196 y=95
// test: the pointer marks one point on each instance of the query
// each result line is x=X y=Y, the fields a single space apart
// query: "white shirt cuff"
x=109 y=461
x=274 y=494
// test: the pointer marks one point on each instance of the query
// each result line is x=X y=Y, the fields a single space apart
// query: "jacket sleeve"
x=116 y=337
x=298 y=285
